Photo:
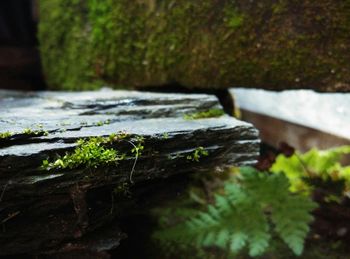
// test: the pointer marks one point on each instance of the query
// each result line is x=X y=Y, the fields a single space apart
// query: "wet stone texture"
x=71 y=210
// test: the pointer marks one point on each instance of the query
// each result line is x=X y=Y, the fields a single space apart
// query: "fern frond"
x=258 y=243
x=222 y=238
x=238 y=241
x=222 y=204
x=255 y=224
x=238 y=218
x=291 y=218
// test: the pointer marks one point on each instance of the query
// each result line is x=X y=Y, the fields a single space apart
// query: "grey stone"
x=326 y=112
x=56 y=198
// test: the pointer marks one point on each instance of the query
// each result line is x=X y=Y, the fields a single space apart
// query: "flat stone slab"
x=326 y=112
x=43 y=123
x=42 y=126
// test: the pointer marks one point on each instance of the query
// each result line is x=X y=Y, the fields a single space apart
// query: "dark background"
x=19 y=56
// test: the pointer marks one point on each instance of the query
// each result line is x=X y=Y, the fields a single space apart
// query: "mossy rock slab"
x=268 y=44
x=56 y=191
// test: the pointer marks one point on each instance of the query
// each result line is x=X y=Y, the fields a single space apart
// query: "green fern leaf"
x=238 y=218
x=258 y=231
x=214 y=212
x=291 y=218
x=222 y=238
x=238 y=241
x=258 y=244
x=222 y=204
x=208 y=239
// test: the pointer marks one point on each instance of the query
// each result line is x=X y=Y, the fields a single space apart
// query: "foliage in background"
x=313 y=168
x=242 y=215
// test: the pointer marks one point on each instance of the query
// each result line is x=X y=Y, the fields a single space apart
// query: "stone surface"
x=201 y=44
x=56 y=211
x=304 y=119
x=326 y=112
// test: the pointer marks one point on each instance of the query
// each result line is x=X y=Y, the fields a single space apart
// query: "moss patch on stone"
x=26 y=132
x=197 y=154
x=5 y=135
x=212 y=113
x=96 y=152
x=34 y=132
x=89 y=153
x=197 y=44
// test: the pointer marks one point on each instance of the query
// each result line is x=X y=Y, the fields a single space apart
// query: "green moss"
x=89 y=153
x=5 y=135
x=212 y=113
x=206 y=44
x=29 y=131
x=197 y=154
x=232 y=17
x=95 y=152
x=26 y=131
x=101 y=123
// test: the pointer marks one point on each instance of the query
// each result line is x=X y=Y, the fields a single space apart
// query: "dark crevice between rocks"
x=225 y=98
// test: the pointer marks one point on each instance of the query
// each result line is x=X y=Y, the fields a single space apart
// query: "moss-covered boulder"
x=272 y=44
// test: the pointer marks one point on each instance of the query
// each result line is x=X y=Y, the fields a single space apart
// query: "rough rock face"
x=197 y=44
x=65 y=207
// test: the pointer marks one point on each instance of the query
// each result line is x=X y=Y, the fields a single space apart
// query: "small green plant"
x=98 y=151
x=5 y=135
x=28 y=131
x=303 y=169
x=212 y=113
x=241 y=216
x=197 y=154
x=89 y=153
x=137 y=151
x=101 y=123
x=138 y=147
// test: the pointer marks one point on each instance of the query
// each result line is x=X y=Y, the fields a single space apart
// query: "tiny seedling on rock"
x=101 y=123
x=197 y=154
x=212 y=113
x=5 y=135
